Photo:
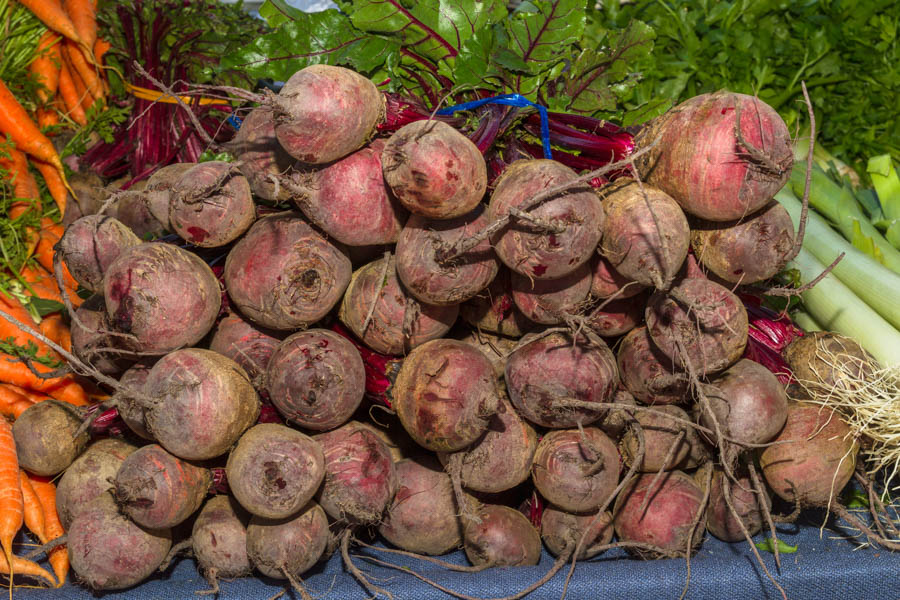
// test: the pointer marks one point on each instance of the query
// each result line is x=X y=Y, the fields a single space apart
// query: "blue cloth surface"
x=823 y=567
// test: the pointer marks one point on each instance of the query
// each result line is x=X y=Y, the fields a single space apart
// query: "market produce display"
x=392 y=278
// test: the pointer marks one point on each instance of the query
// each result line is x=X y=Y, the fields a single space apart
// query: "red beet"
x=700 y=161
x=350 y=201
x=325 y=112
x=284 y=275
x=538 y=254
x=661 y=434
x=292 y=545
x=434 y=170
x=493 y=309
x=219 y=539
x=606 y=281
x=719 y=519
x=445 y=394
x=261 y=158
x=576 y=471
x=451 y=282
x=561 y=530
x=91 y=244
x=246 y=344
x=545 y=301
x=503 y=537
x=316 y=379
x=549 y=370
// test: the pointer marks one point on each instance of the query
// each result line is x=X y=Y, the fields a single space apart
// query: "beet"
x=434 y=170
x=813 y=457
x=617 y=317
x=261 y=158
x=748 y=401
x=284 y=275
x=746 y=251
x=445 y=394
x=503 y=538
x=219 y=539
x=137 y=211
x=576 y=471
x=701 y=163
x=94 y=340
x=88 y=196
x=325 y=112
x=45 y=437
x=246 y=344
x=89 y=476
x=360 y=481
x=91 y=244
x=164 y=296
x=648 y=373
x=545 y=301
x=538 y=254
x=274 y=470
x=493 y=309
x=502 y=457
x=495 y=347
x=422 y=517
x=385 y=333
x=606 y=281
x=548 y=370
x=204 y=403
x=809 y=358
x=131 y=409
x=108 y=551
x=211 y=205
x=316 y=379
x=719 y=519
x=669 y=518
x=349 y=199
x=158 y=191
x=158 y=490
x=707 y=319
x=293 y=545
x=636 y=218
x=660 y=435
x=434 y=282
x=561 y=530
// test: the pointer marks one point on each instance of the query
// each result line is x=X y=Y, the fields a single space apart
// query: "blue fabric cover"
x=823 y=567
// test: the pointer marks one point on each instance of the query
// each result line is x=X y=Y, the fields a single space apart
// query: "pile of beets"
x=555 y=363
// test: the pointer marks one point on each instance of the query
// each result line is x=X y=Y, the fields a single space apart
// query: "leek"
x=838 y=204
x=805 y=321
x=875 y=284
x=887 y=185
x=838 y=309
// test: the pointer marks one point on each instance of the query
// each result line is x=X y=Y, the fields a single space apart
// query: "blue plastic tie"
x=235 y=121
x=517 y=100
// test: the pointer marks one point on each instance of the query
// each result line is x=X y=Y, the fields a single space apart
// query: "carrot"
x=33 y=511
x=24 y=185
x=55 y=328
x=101 y=47
x=45 y=67
x=69 y=94
x=14 y=308
x=22 y=566
x=32 y=397
x=83 y=14
x=46 y=493
x=89 y=77
x=11 y=509
x=49 y=236
x=55 y=183
x=64 y=388
x=51 y=14
x=84 y=96
x=12 y=404
x=16 y=123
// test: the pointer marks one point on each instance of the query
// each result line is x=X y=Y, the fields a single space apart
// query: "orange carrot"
x=33 y=511
x=46 y=493
x=14 y=308
x=84 y=96
x=16 y=123
x=24 y=185
x=45 y=67
x=12 y=404
x=88 y=75
x=55 y=328
x=83 y=14
x=100 y=50
x=32 y=397
x=51 y=14
x=49 y=235
x=11 y=509
x=22 y=566
x=69 y=94
x=64 y=388
x=55 y=183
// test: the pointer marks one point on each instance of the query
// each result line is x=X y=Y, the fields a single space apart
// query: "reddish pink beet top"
x=769 y=333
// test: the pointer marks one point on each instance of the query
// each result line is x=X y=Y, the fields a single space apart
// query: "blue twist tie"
x=516 y=100
x=235 y=121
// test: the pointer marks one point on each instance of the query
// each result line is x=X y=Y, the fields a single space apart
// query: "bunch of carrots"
x=70 y=60
x=68 y=64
